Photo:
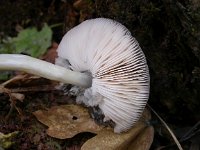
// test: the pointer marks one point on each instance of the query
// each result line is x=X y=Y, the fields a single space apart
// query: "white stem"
x=44 y=69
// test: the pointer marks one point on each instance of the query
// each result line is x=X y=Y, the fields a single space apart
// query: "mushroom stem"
x=44 y=69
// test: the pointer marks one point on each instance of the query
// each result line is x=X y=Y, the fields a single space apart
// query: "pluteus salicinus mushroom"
x=101 y=56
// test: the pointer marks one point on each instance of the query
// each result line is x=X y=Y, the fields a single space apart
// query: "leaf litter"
x=66 y=121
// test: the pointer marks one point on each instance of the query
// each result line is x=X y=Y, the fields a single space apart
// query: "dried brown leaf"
x=25 y=81
x=13 y=80
x=139 y=137
x=28 y=83
x=144 y=140
x=107 y=139
x=66 y=121
x=51 y=54
x=18 y=96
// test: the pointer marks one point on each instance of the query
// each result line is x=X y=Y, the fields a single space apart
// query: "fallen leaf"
x=144 y=140
x=66 y=121
x=51 y=54
x=24 y=83
x=139 y=137
x=13 y=97
x=29 y=41
x=28 y=83
x=18 y=96
x=13 y=80
x=107 y=139
x=25 y=80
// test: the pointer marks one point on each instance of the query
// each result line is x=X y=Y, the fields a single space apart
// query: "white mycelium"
x=120 y=75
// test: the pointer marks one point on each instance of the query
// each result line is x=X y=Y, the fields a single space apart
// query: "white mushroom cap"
x=120 y=75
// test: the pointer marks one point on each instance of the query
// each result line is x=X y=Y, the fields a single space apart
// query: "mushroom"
x=101 y=56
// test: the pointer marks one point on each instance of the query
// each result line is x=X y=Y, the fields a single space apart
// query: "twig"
x=167 y=127
x=33 y=89
x=12 y=106
x=191 y=132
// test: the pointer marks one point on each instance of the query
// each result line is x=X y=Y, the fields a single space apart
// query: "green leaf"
x=7 y=46
x=4 y=75
x=29 y=41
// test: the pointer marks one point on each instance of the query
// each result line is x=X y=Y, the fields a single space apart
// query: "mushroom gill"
x=120 y=75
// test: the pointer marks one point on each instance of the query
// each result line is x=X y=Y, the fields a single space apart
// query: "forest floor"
x=175 y=74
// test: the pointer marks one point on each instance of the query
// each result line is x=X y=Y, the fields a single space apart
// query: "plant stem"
x=167 y=127
x=44 y=69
